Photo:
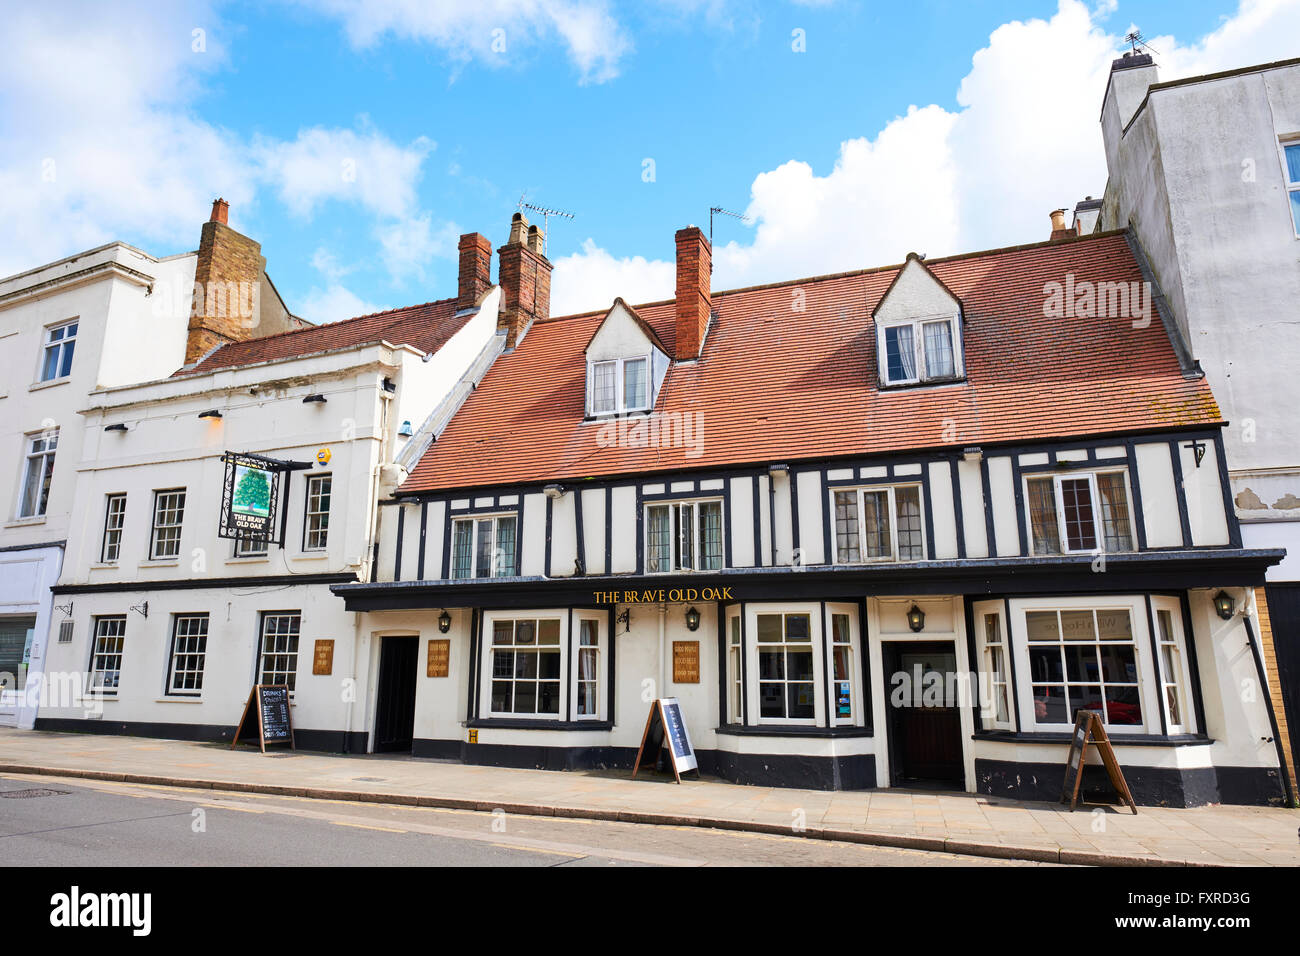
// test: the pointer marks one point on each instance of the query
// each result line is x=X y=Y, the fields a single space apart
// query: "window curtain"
x=1116 y=528
x=658 y=539
x=938 y=349
x=1042 y=516
x=900 y=353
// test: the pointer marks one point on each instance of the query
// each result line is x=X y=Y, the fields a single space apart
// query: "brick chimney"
x=475 y=269
x=694 y=304
x=226 y=306
x=1059 y=229
x=525 y=278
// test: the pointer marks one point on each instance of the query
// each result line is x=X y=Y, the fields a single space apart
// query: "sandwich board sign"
x=266 y=717
x=1088 y=729
x=665 y=730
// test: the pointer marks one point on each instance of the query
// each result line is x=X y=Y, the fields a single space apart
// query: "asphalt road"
x=100 y=823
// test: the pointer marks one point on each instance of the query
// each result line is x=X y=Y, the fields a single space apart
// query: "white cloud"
x=592 y=278
x=410 y=244
x=341 y=164
x=332 y=303
x=491 y=31
x=1025 y=140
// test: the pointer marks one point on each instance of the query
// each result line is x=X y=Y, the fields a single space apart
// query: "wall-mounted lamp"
x=553 y=491
x=119 y=427
x=1223 y=603
x=972 y=453
x=444 y=622
x=406 y=431
x=389 y=385
x=692 y=620
x=915 y=618
x=314 y=400
x=210 y=413
x=774 y=470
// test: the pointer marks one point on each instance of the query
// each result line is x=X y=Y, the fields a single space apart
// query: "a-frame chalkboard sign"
x=266 y=717
x=1088 y=729
x=665 y=730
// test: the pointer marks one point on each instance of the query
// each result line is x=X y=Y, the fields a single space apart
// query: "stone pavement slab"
x=950 y=822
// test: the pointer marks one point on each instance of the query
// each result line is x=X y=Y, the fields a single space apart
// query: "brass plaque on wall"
x=323 y=660
x=686 y=662
x=439 y=658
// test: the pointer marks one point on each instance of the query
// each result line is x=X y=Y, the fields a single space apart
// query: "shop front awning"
x=1148 y=571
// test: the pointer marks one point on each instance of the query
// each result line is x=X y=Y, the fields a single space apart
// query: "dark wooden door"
x=924 y=729
x=1284 y=618
x=395 y=701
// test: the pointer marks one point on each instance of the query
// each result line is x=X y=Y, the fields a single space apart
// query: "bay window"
x=995 y=671
x=920 y=350
x=483 y=547
x=545 y=665
x=618 y=385
x=878 y=524
x=1079 y=512
x=684 y=536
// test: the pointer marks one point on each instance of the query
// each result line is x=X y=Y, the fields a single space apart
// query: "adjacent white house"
x=163 y=625
x=1205 y=173
x=66 y=329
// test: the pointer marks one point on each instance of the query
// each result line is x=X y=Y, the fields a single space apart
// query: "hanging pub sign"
x=665 y=731
x=266 y=718
x=249 y=497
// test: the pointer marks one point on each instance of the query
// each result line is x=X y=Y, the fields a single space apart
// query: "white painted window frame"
x=856 y=702
x=172 y=673
x=1135 y=605
x=816 y=637
x=1098 y=525
x=48 y=346
x=674 y=537
x=601 y=650
x=110 y=528
x=917 y=322
x=322 y=518
x=48 y=454
x=96 y=672
x=620 y=386
x=498 y=570
x=860 y=491
x=567 y=690
x=989 y=719
x=735 y=638
x=1182 y=680
x=1291 y=186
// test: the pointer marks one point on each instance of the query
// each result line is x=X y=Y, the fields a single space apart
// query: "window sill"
x=178 y=699
x=250 y=559
x=103 y=565
x=37 y=386
x=929 y=382
x=312 y=556
x=509 y=723
x=160 y=563
x=1053 y=737
x=26 y=522
x=793 y=730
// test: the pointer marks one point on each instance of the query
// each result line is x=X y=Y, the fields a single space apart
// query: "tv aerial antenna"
x=1138 y=41
x=719 y=211
x=546 y=213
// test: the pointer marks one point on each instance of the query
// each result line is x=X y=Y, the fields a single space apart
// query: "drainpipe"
x=1247 y=613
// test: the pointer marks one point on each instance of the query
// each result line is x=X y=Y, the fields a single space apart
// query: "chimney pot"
x=525 y=279
x=220 y=212
x=1059 y=231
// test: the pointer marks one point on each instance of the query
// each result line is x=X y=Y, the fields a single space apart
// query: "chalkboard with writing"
x=267 y=717
x=1088 y=729
x=665 y=731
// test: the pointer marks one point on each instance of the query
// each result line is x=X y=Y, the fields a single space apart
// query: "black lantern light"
x=692 y=619
x=444 y=622
x=915 y=618
x=1223 y=603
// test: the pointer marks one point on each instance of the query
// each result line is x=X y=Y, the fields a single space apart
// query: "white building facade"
x=1205 y=172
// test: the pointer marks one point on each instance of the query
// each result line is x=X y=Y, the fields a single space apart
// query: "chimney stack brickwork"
x=475 y=276
x=694 y=295
x=1059 y=228
x=227 y=286
x=525 y=279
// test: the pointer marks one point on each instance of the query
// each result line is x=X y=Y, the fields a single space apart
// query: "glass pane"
x=586 y=665
x=1076 y=500
x=797 y=627
x=840 y=632
x=657 y=539
x=686 y=536
x=1080 y=663
x=525 y=632
x=840 y=658
x=66 y=367
x=588 y=633
x=525 y=696
x=501 y=696
x=1045 y=663
x=800 y=703
x=548 y=697
x=502 y=632
x=1050 y=706
x=602 y=387
x=1042 y=626
x=526 y=666
x=735 y=630
x=937 y=338
x=1118 y=664
x=771 y=700
x=900 y=353
x=846 y=527
x=483 y=549
x=1114 y=626
x=843 y=700
x=462 y=564
x=1042 y=516
x=1078 y=626
x=769 y=628
x=875 y=524
x=1116 y=529
x=1087 y=697
x=586 y=699
x=992 y=629
x=548 y=667
x=907 y=506
x=1123 y=706
x=505 y=551
x=710 y=516
x=771 y=665
x=635 y=391
x=548 y=631
x=1293 y=163
x=1171 y=701
x=1165 y=621
x=799 y=665
x=1295 y=209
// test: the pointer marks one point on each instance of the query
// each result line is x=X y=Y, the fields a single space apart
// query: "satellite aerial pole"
x=546 y=213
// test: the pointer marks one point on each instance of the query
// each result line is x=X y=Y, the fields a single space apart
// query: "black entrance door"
x=395 y=701
x=1284 y=617
x=923 y=715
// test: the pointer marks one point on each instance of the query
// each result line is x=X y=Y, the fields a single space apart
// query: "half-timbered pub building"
x=886 y=528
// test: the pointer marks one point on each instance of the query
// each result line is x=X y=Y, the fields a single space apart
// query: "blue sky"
x=355 y=142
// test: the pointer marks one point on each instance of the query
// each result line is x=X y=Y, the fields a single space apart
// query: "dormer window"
x=920 y=350
x=618 y=386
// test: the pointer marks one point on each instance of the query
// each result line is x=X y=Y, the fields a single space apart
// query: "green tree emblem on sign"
x=253 y=493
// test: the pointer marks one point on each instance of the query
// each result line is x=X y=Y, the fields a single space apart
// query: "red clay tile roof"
x=426 y=327
x=774 y=384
